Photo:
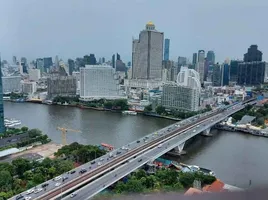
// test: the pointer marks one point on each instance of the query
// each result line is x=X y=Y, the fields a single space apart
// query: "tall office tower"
x=166 y=49
x=194 y=58
x=234 y=70
x=57 y=62
x=40 y=64
x=90 y=60
x=200 y=65
x=14 y=60
x=147 y=54
x=210 y=60
x=114 y=60
x=182 y=61
x=23 y=60
x=216 y=75
x=252 y=70
x=48 y=63
x=225 y=74
x=71 y=66
x=103 y=60
x=2 y=123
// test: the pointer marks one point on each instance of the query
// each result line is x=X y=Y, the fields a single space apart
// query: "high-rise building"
x=29 y=87
x=23 y=60
x=40 y=64
x=14 y=60
x=90 y=60
x=57 y=62
x=188 y=77
x=147 y=54
x=98 y=82
x=225 y=74
x=2 y=124
x=71 y=66
x=61 y=86
x=194 y=58
x=252 y=70
x=216 y=75
x=34 y=74
x=48 y=63
x=114 y=60
x=103 y=60
x=201 y=65
x=166 y=49
x=211 y=57
x=234 y=70
x=182 y=61
x=11 y=84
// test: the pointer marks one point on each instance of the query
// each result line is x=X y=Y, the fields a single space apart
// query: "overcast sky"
x=73 y=28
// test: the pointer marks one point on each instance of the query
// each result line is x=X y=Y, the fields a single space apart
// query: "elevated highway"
x=107 y=170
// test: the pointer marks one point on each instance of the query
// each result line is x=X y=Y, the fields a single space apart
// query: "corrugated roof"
x=246 y=119
x=9 y=151
x=191 y=191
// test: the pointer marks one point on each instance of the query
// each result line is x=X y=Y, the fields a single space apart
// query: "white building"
x=29 y=87
x=77 y=78
x=98 y=81
x=11 y=84
x=185 y=94
x=188 y=77
x=200 y=65
x=147 y=54
x=34 y=74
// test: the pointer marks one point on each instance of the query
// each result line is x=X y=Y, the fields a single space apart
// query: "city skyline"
x=30 y=34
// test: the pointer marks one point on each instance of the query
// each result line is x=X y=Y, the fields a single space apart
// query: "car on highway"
x=82 y=171
x=28 y=198
x=57 y=184
x=160 y=145
x=64 y=178
x=99 y=163
x=93 y=162
x=38 y=190
x=72 y=172
x=118 y=152
x=73 y=195
x=138 y=141
x=139 y=160
x=101 y=159
x=194 y=131
x=57 y=178
x=20 y=196
x=29 y=191
x=45 y=185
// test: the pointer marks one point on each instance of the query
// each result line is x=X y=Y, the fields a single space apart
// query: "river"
x=236 y=158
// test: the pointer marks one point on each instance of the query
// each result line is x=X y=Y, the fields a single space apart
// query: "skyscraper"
x=234 y=70
x=201 y=65
x=194 y=58
x=48 y=63
x=181 y=62
x=211 y=57
x=90 y=60
x=166 y=50
x=14 y=60
x=225 y=74
x=216 y=75
x=147 y=54
x=252 y=70
x=2 y=124
x=71 y=66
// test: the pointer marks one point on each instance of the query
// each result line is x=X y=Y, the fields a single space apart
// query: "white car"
x=30 y=191
x=99 y=163
x=73 y=195
x=38 y=190
x=57 y=178
x=160 y=145
x=57 y=184
x=101 y=159
x=28 y=198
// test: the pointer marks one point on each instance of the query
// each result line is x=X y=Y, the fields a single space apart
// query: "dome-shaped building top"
x=189 y=77
x=150 y=26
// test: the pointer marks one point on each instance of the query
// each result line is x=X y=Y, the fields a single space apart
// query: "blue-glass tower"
x=166 y=49
x=2 y=124
x=225 y=74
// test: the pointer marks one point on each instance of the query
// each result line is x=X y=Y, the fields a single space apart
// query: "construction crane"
x=63 y=134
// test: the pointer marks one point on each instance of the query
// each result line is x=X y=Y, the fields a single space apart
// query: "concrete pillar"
x=206 y=132
x=179 y=148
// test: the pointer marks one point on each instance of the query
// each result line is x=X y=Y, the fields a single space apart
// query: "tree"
x=108 y=105
x=134 y=186
x=38 y=178
x=4 y=166
x=148 y=108
x=21 y=165
x=160 y=110
x=140 y=174
x=5 y=180
x=34 y=133
x=186 y=179
x=24 y=129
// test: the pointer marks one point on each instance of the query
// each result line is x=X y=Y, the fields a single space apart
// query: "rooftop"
x=8 y=152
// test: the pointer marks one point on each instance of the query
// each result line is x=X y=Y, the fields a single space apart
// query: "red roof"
x=216 y=186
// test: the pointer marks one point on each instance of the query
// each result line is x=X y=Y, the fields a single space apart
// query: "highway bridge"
x=108 y=169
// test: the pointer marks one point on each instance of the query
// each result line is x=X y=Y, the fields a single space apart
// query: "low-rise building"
x=11 y=84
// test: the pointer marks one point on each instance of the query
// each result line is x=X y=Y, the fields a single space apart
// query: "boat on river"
x=11 y=123
x=129 y=112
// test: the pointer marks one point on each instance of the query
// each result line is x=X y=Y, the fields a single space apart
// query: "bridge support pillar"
x=207 y=132
x=179 y=149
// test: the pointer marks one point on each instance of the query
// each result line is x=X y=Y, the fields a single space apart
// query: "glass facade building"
x=166 y=50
